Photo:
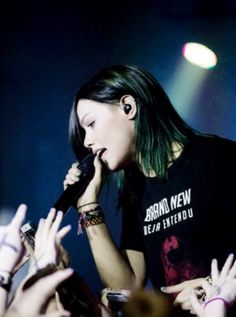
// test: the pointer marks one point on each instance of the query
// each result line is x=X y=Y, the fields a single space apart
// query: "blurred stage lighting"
x=199 y=55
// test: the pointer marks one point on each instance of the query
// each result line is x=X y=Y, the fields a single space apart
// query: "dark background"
x=49 y=49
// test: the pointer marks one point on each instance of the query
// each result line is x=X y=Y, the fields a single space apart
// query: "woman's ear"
x=128 y=105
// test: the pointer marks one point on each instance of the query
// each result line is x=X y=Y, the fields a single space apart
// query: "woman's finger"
x=75 y=165
x=74 y=172
x=69 y=180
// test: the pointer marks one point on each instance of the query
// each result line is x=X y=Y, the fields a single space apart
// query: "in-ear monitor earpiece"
x=127 y=108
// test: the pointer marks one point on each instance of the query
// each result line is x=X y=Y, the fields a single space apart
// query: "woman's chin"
x=111 y=166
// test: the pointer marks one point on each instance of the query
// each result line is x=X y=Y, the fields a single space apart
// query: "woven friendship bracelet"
x=89 y=218
x=214 y=299
x=95 y=221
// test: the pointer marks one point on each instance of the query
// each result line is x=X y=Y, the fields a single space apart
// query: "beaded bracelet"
x=91 y=217
x=216 y=298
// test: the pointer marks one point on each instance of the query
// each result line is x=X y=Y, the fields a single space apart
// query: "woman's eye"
x=91 y=124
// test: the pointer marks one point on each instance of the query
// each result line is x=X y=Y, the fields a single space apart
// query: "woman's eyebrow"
x=83 y=118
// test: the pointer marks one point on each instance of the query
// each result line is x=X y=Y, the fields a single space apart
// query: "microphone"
x=72 y=193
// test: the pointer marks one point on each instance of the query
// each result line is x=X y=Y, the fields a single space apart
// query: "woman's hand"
x=93 y=189
x=11 y=248
x=72 y=175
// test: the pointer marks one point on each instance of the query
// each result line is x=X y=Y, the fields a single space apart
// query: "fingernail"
x=162 y=288
x=60 y=213
x=41 y=220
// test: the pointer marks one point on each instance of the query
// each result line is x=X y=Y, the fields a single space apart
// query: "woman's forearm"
x=113 y=268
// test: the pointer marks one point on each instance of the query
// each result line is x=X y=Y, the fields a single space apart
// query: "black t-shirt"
x=182 y=223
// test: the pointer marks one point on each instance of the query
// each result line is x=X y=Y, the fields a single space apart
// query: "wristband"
x=92 y=203
x=90 y=218
x=216 y=298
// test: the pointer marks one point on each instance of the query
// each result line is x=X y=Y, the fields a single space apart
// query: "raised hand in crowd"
x=11 y=248
x=48 y=250
x=183 y=292
x=36 y=293
x=11 y=252
x=48 y=241
x=220 y=293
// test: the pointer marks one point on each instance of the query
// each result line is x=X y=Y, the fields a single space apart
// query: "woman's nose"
x=87 y=141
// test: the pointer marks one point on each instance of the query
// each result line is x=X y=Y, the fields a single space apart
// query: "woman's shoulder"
x=212 y=141
x=214 y=147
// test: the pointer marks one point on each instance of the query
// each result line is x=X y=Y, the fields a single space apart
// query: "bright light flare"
x=199 y=55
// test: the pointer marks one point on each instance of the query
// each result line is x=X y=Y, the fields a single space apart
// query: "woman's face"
x=108 y=130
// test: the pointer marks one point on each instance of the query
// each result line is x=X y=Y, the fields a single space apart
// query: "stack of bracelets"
x=90 y=216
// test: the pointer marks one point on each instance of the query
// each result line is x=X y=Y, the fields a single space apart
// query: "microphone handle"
x=72 y=193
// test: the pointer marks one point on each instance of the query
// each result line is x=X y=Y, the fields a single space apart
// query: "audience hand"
x=32 y=300
x=48 y=241
x=11 y=248
x=184 y=291
x=223 y=286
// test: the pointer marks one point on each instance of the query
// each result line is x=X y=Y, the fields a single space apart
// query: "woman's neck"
x=177 y=149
